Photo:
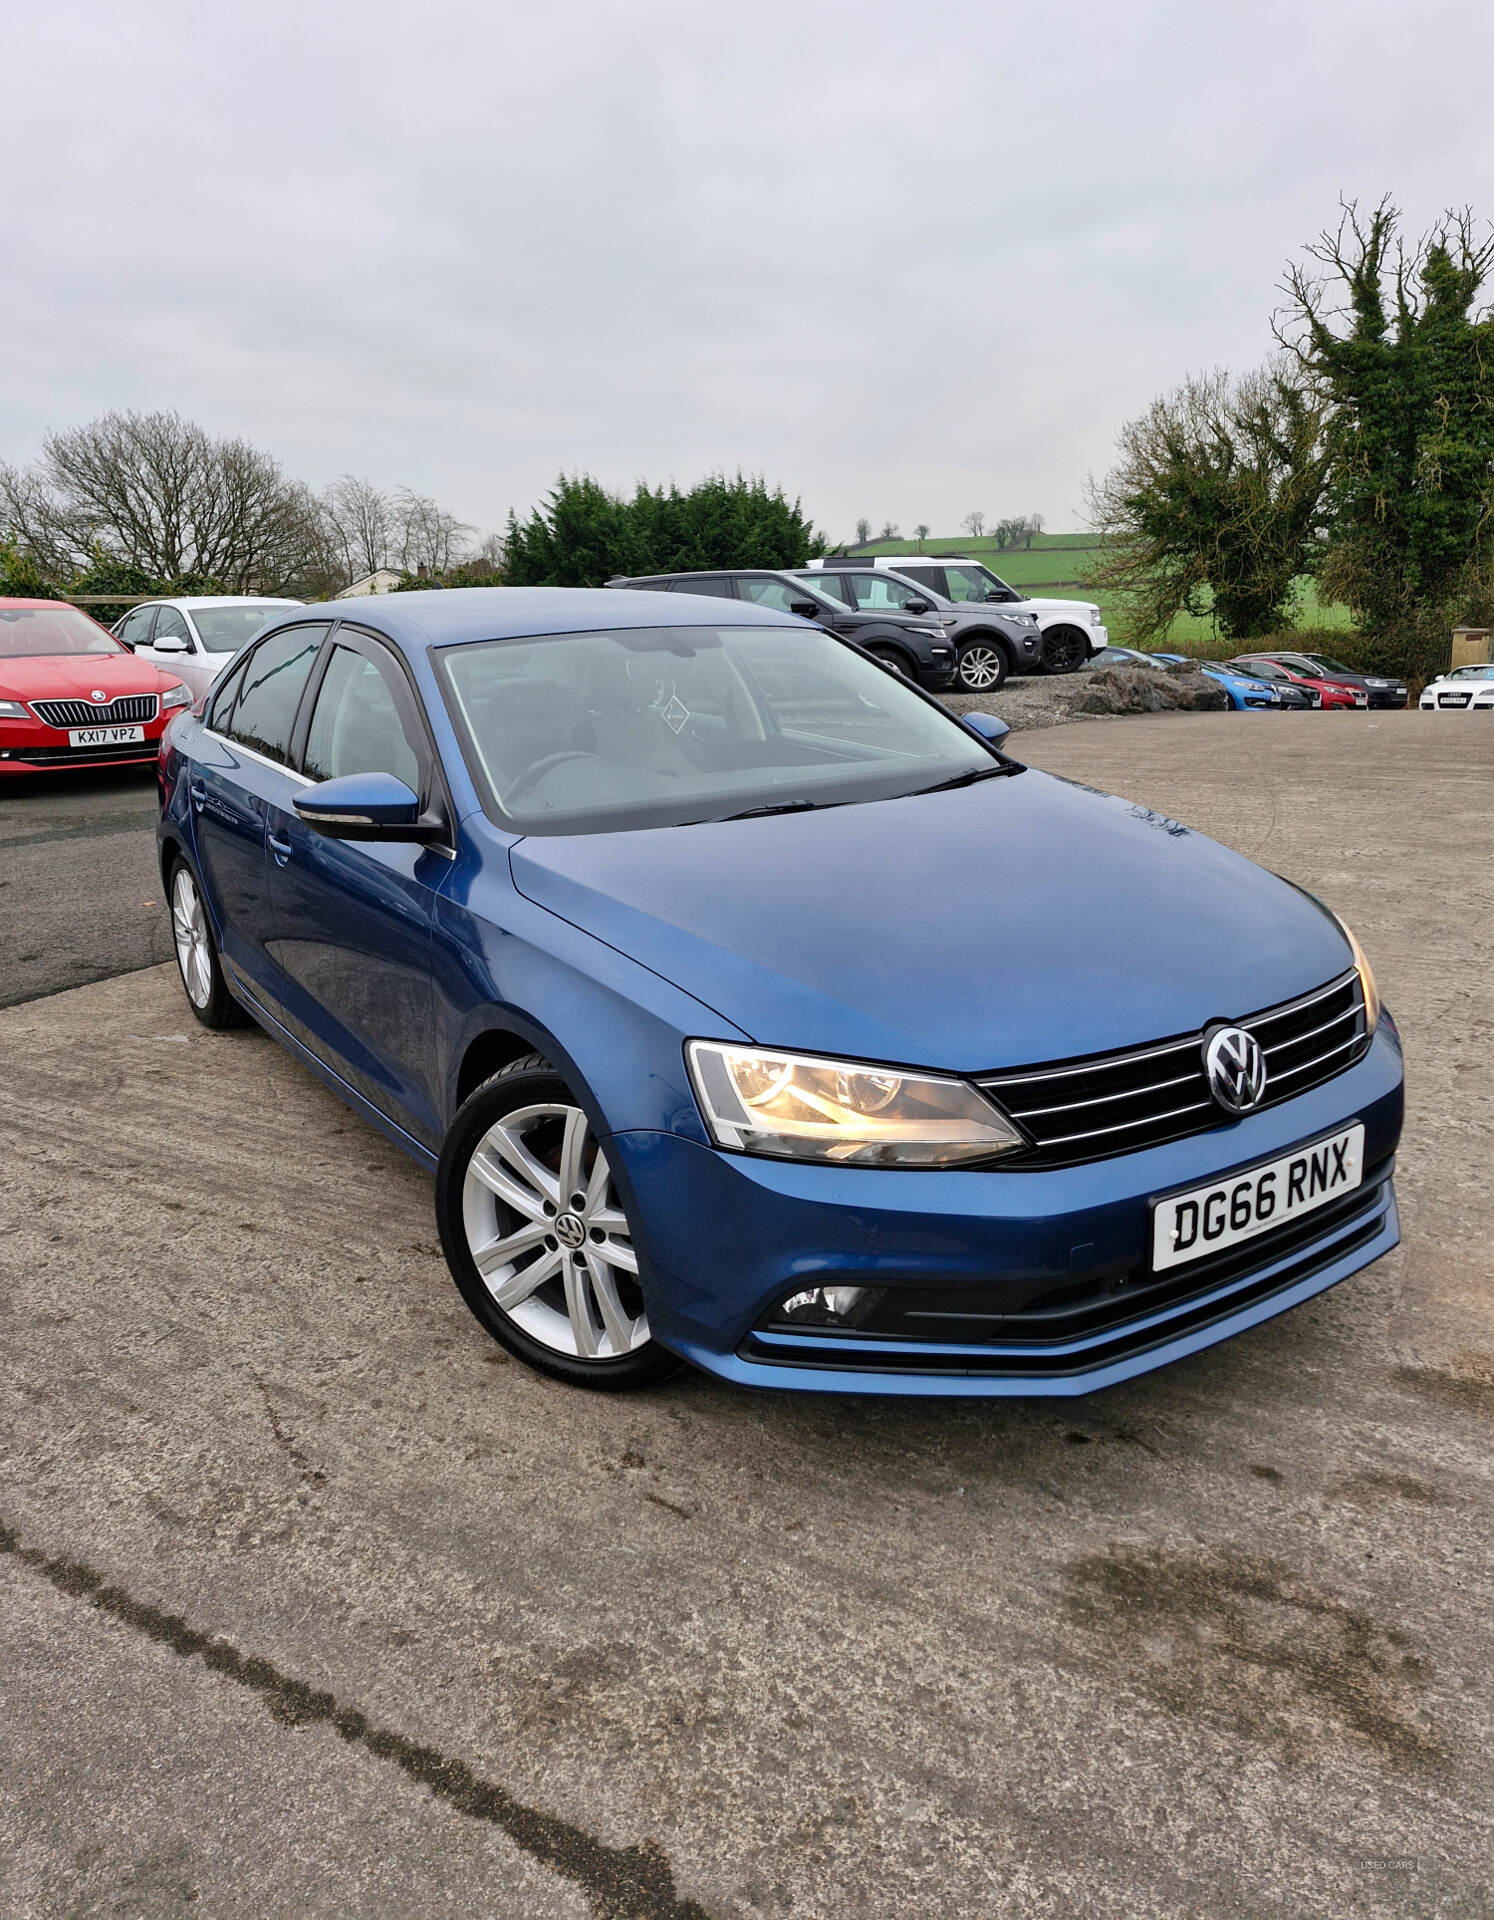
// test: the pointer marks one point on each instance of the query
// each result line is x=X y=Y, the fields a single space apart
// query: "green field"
x=1057 y=566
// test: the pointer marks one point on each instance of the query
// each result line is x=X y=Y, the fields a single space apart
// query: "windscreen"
x=226 y=629
x=594 y=732
x=53 y=630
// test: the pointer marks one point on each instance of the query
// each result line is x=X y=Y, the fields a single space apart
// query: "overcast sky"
x=904 y=261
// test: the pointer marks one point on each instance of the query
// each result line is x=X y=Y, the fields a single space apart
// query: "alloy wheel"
x=194 y=952
x=981 y=667
x=548 y=1235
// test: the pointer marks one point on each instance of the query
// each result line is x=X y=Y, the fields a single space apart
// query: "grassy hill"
x=1058 y=566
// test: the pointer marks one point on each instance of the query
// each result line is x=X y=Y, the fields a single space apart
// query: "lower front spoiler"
x=820 y=1363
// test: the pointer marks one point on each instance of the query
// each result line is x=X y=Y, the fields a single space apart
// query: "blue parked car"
x=1245 y=689
x=740 y=999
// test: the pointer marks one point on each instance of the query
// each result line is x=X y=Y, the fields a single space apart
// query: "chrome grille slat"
x=130 y=709
x=1150 y=1085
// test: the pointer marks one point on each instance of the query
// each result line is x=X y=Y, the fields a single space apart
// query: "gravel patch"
x=1052 y=700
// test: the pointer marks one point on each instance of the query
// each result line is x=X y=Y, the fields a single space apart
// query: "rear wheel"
x=537 y=1237
x=984 y=666
x=1064 y=649
x=197 y=956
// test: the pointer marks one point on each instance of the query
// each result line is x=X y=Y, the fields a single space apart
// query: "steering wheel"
x=533 y=775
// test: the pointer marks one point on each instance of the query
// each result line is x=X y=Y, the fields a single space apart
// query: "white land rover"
x=1071 y=629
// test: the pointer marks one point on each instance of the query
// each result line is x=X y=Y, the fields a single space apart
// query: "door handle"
x=198 y=794
x=280 y=847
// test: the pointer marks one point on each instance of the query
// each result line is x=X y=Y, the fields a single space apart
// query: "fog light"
x=830 y=1306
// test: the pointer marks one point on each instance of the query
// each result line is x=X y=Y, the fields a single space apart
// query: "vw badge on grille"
x=1236 y=1069
x=98 y=694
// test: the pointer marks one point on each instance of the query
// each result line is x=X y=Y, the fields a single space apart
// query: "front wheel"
x=1064 y=649
x=197 y=957
x=889 y=657
x=983 y=667
x=536 y=1235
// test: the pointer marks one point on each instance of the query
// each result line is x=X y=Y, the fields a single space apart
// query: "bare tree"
x=156 y=492
x=922 y=533
x=1032 y=526
x=974 y=524
x=363 y=524
x=431 y=540
x=863 y=532
x=889 y=531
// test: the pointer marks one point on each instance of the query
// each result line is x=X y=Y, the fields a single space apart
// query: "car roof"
x=9 y=602
x=448 y=616
x=191 y=601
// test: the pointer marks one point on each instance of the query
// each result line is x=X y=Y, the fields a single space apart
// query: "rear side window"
x=931 y=577
x=274 y=678
x=713 y=586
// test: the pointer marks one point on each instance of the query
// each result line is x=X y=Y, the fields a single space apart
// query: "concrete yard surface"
x=312 y=1602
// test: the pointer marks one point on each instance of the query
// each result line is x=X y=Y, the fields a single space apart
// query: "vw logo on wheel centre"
x=1235 y=1068
x=569 y=1231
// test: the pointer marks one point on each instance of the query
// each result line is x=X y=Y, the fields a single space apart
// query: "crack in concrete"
x=622 y=1883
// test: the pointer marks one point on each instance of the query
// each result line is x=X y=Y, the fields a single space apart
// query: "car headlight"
x=12 y=710
x=1094 y=617
x=912 y=628
x=1366 y=977
x=177 y=696
x=801 y=1107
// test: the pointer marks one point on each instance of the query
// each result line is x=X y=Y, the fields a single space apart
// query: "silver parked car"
x=196 y=637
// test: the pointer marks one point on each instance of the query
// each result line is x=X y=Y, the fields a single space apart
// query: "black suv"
x=910 y=640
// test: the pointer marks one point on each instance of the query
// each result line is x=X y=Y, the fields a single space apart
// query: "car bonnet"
x=1016 y=921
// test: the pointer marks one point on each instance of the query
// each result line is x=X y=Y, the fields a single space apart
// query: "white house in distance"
x=382 y=580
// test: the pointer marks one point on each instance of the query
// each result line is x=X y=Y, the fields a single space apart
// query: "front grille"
x=129 y=710
x=1080 y=1110
x=1080 y=1327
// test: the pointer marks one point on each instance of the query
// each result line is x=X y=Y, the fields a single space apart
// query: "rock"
x=1145 y=690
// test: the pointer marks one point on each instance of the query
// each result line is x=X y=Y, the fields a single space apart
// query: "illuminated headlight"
x=801 y=1107
x=12 y=710
x=177 y=696
x=1366 y=978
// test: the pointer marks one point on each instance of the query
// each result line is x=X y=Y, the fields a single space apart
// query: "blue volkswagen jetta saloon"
x=742 y=1000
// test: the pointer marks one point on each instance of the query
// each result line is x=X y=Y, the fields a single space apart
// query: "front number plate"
x=1187 y=1226
x=103 y=736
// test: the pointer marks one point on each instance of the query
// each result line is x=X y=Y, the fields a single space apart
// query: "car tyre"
x=984 y=666
x=1065 y=649
x=890 y=657
x=197 y=955
x=553 y=1281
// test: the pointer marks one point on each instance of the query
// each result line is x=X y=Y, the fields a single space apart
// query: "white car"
x=1463 y=687
x=1072 y=630
x=196 y=637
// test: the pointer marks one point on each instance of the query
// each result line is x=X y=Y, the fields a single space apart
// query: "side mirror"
x=806 y=609
x=918 y=606
x=367 y=806
x=170 y=643
x=988 y=727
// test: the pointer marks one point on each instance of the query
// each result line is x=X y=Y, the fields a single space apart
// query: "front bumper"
x=1053 y=1264
x=38 y=756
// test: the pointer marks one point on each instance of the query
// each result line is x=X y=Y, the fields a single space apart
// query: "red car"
x=1330 y=693
x=72 y=696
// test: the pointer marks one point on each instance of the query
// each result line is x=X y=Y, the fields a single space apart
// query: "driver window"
x=356 y=725
x=777 y=594
x=171 y=626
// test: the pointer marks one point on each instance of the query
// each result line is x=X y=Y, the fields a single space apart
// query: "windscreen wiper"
x=773 y=806
x=967 y=779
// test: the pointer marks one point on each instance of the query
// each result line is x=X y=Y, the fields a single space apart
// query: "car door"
x=239 y=771
x=352 y=920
